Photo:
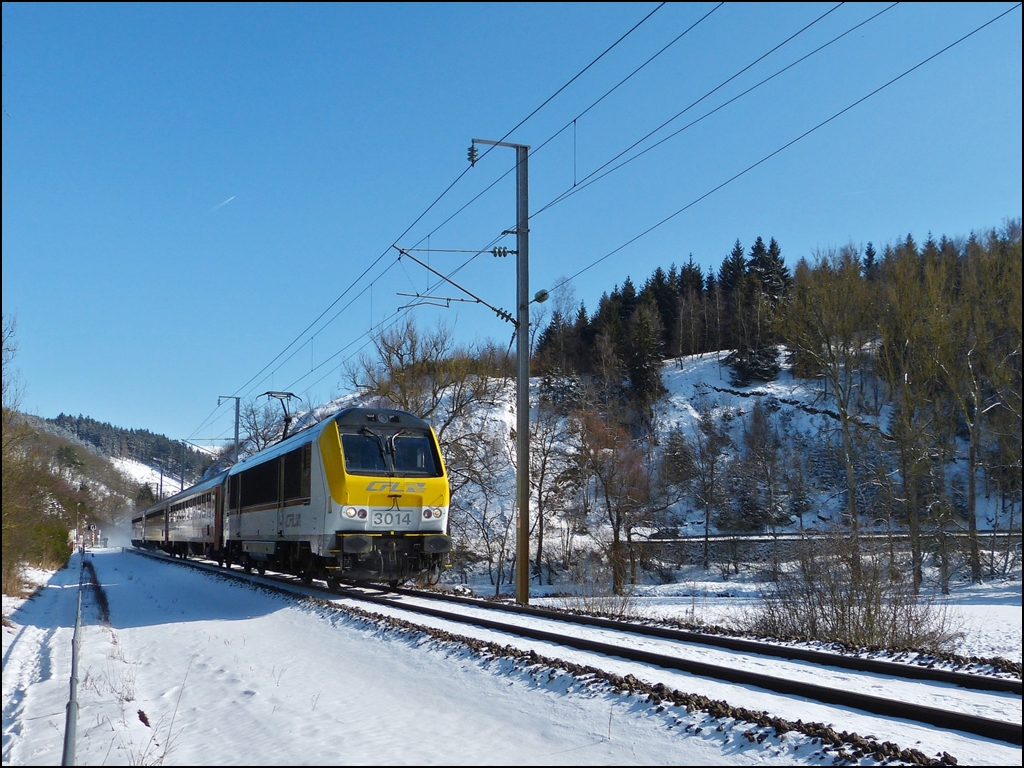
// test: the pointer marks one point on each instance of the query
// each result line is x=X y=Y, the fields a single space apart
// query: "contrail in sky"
x=222 y=204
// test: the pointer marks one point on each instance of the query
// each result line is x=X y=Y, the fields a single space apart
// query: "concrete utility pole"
x=523 y=365
x=237 y=400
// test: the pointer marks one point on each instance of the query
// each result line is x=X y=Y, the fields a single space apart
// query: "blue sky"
x=189 y=189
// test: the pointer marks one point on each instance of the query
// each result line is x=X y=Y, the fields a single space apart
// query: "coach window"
x=259 y=484
x=296 y=473
x=234 y=491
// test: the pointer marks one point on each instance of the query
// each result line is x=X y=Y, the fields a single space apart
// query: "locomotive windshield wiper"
x=383 y=448
x=414 y=457
x=394 y=452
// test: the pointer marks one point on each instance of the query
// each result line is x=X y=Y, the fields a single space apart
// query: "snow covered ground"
x=988 y=616
x=192 y=670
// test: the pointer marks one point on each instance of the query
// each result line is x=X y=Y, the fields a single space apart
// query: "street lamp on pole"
x=78 y=518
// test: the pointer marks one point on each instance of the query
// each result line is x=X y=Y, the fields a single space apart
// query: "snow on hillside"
x=702 y=382
x=800 y=412
x=140 y=473
x=698 y=379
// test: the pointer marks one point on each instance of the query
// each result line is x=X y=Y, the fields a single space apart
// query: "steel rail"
x=855 y=663
x=978 y=726
x=71 y=710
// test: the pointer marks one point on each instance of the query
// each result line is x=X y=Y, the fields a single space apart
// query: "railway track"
x=981 y=705
x=979 y=682
x=668 y=649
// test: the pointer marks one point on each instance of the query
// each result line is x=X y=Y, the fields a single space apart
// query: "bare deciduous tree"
x=425 y=373
x=830 y=325
x=485 y=519
x=618 y=467
x=905 y=365
x=552 y=474
x=261 y=426
x=710 y=442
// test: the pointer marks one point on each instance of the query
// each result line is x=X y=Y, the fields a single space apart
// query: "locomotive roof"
x=349 y=417
x=366 y=417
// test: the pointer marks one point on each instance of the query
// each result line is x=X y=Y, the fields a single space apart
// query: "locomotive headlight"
x=362 y=514
x=350 y=512
x=438 y=512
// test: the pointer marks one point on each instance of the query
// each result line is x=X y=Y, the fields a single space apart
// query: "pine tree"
x=582 y=342
x=733 y=268
x=754 y=302
x=642 y=357
x=731 y=276
x=661 y=289
x=870 y=263
x=628 y=300
x=692 y=335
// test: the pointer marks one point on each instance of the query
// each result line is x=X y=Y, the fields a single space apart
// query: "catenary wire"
x=572 y=122
x=256 y=376
x=754 y=165
x=586 y=183
x=786 y=146
x=485 y=249
x=594 y=104
x=579 y=187
x=773 y=153
x=590 y=178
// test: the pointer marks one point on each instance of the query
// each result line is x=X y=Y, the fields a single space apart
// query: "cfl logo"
x=396 y=487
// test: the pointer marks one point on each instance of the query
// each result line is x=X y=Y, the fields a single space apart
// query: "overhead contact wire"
x=788 y=144
x=256 y=376
x=572 y=122
x=586 y=183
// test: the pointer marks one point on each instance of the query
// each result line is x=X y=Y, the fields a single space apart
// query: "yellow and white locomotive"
x=359 y=497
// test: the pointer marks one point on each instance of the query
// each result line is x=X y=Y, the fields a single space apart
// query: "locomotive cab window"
x=364 y=453
x=414 y=454
x=403 y=452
